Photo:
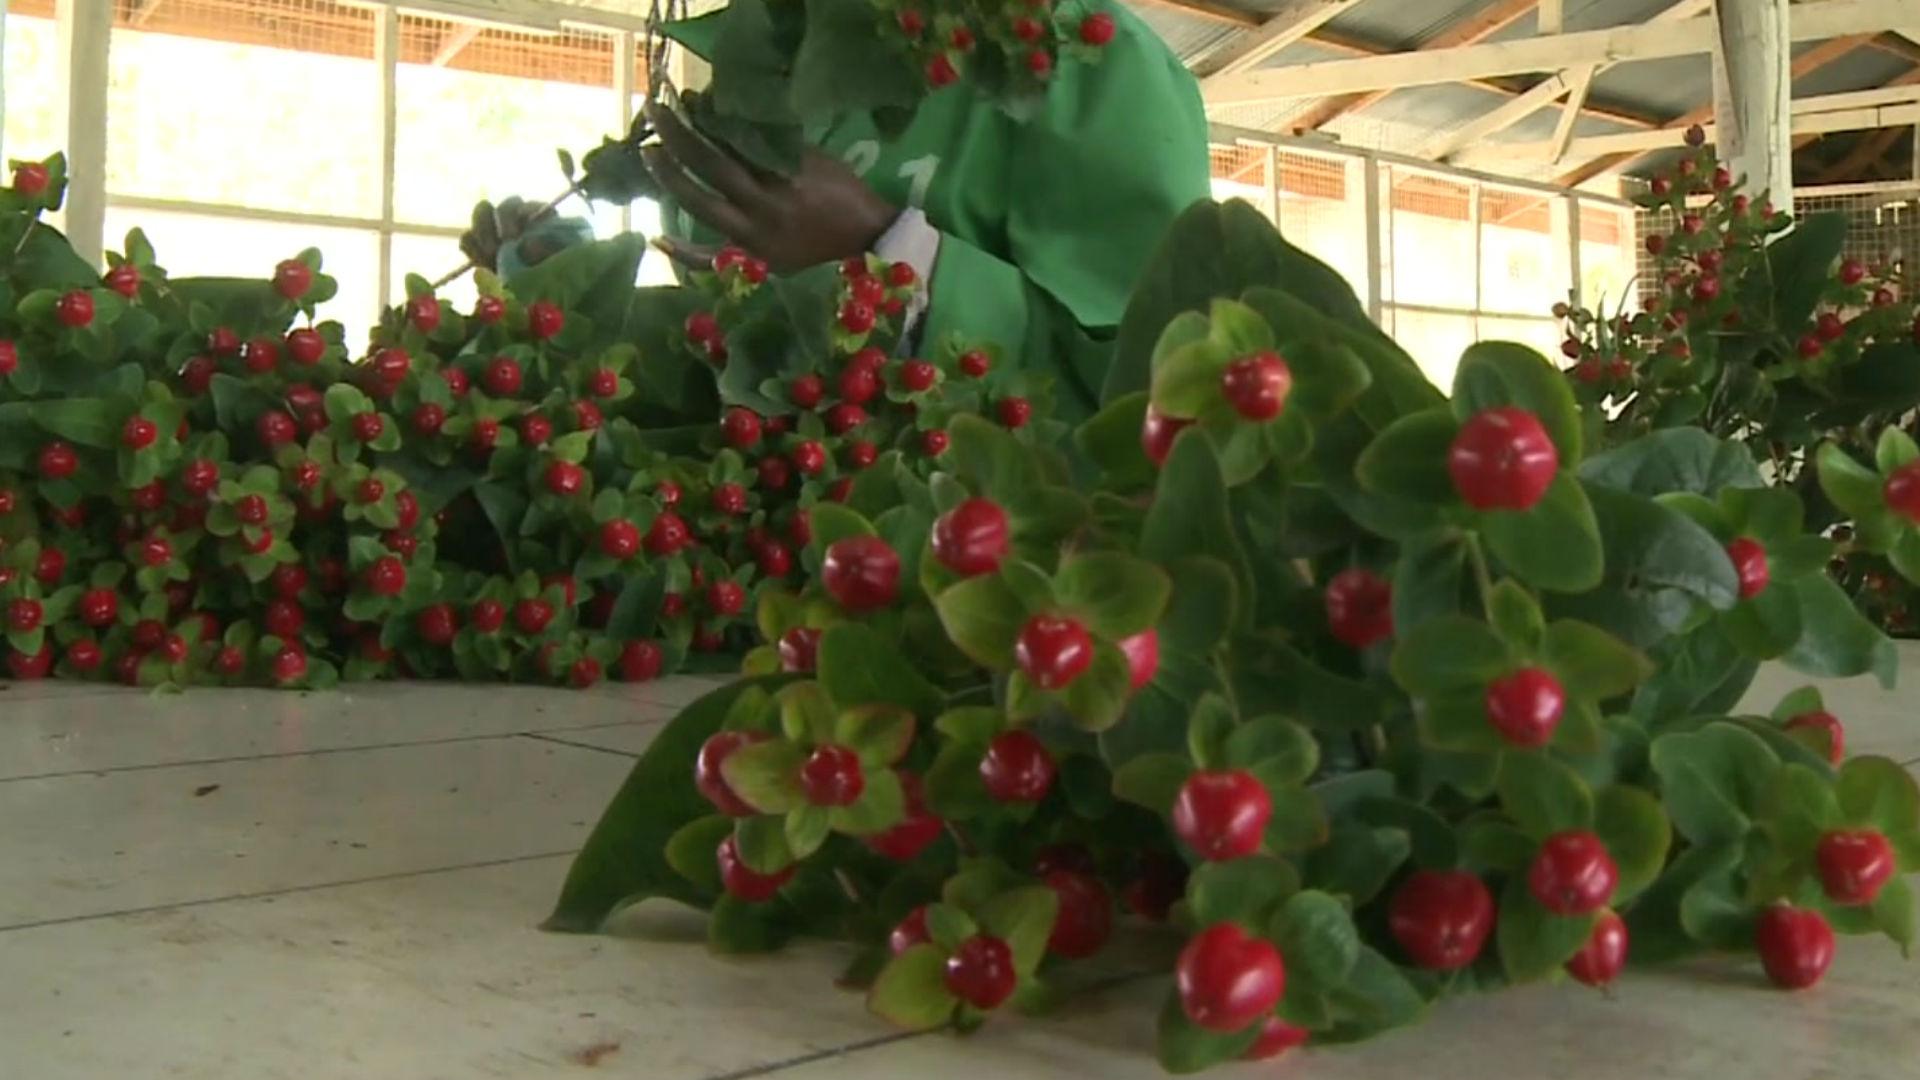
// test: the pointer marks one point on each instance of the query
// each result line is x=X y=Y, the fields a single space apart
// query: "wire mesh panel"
x=1609 y=253
x=32 y=67
x=1523 y=256
x=1883 y=227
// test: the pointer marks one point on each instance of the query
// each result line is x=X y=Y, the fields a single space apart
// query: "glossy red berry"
x=844 y=417
x=1795 y=945
x=437 y=624
x=741 y=427
x=423 y=312
x=1097 y=29
x=640 y=661
x=289 y=665
x=934 y=442
x=531 y=616
x=1854 y=864
x=1013 y=412
x=1525 y=706
x=1573 y=874
x=74 y=309
x=1157 y=433
x=941 y=72
x=544 y=320
x=1222 y=814
x=1604 y=955
x=726 y=598
x=915 y=833
x=1276 y=1038
x=1142 y=651
x=973 y=537
x=619 y=539
x=806 y=391
x=1257 y=386
x=1053 y=650
x=502 y=377
x=707 y=777
x=1359 y=607
x=975 y=364
x=9 y=358
x=564 y=478
x=28 y=667
x=84 y=655
x=743 y=882
x=368 y=426
x=702 y=328
x=292 y=278
x=799 y=650
x=918 y=376
x=386 y=576
x=57 y=461
x=99 y=607
x=1902 y=491
x=489 y=310
x=1750 y=563
x=1017 y=767
x=138 y=433
x=1706 y=290
x=1828 y=730
x=861 y=573
x=857 y=317
x=1085 y=918
x=831 y=776
x=980 y=972
x=1228 y=980
x=276 y=428
x=1502 y=459
x=668 y=535
x=488 y=616
x=774 y=559
x=1441 y=919
x=30 y=179
x=909 y=932
x=1852 y=271
x=124 y=279
x=858 y=385
x=24 y=615
x=1040 y=63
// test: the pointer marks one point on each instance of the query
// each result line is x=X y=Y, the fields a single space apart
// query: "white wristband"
x=913 y=240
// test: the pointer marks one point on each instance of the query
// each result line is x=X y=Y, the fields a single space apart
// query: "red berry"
x=857 y=317
x=1222 y=814
x=292 y=278
x=125 y=280
x=858 y=385
x=861 y=573
x=391 y=366
x=74 y=309
x=726 y=598
x=916 y=376
x=99 y=607
x=901 y=275
x=1750 y=562
x=222 y=341
x=428 y=418
x=640 y=661
x=1706 y=290
x=1795 y=945
x=910 y=931
x=702 y=327
x=604 y=382
x=9 y=358
x=1157 y=433
x=58 y=461
x=276 y=428
x=1276 y=1038
x=489 y=310
x=535 y=430
x=368 y=426
x=961 y=39
x=1257 y=386
x=369 y=491
x=289 y=665
x=1017 y=768
x=868 y=290
x=1502 y=460
x=1441 y=918
x=564 y=478
x=831 y=776
x=668 y=535
x=972 y=538
x=1040 y=63
x=438 y=624
x=30 y=179
x=1097 y=29
x=138 y=433
x=912 y=23
x=975 y=364
x=934 y=442
x=584 y=673
x=861 y=454
x=1829 y=729
x=1902 y=491
x=1228 y=980
x=980 y=972
x=1573 y=874
x=941 y=72
x=251 y=509
x=23 y=615
x=456 y=381
x=741 y=427
x=423 y=312
x=1013 y=412
x=915 y=833
x=530 y=617
x=806 y=391
x=1052 y=651
x=619 y=539
x=544 y=320
x=774 y=560
x=1601 y=959
x=488 y=616
x=1852 y=271
x=1656 y=244
x=84 y=655
x=27 y=667
x=306 y=475
x=1854 y=864
x=1525 y=706
x=1359 y=607
x=844 y=417
x=387 y=576
x=799 y=650
x=284 y=619
x=744 y=883
x=1142 y=651
x=502 y=377
x=51 y=566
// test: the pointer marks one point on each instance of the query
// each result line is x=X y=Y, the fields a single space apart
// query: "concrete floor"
x=261 y=886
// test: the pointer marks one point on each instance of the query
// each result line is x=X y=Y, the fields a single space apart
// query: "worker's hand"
x=824 y=213
x=495 y=227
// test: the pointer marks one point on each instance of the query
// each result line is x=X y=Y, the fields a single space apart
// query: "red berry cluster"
x=946 y=38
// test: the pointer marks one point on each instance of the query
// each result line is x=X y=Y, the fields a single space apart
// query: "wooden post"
x=1370 y=204
x=1753 y=95
x=623 y=60
x=83 y=29
x=386 y=58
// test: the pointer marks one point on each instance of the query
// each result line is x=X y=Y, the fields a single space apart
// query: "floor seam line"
x=316 y=752
x=878 y=1041
x=542 y=737
x=264 y=894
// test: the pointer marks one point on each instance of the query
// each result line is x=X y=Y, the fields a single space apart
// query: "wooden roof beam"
x=1292 y=22
x=1490 y=19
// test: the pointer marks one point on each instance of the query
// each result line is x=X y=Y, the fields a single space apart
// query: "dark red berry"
x=502 y=377
x=909 y=932
x=544 y=320
x=1228 y=980
x=292 y=278
x=980 y=972
x=1750 y=562
x=1359 y=607
x=1502 y=459
x=1854 y=864
x=741 y=427
x=1017 y=768
x=1573 y=874
x=1257 y=386
x=1795 y=945
x=972 y=538
x=1097 y=29
x=1052 y=651
x=74 y=309
x=1525 y=706
x=744 y=883
x=530 y=617
x=831 y=776
x=1222 y=814
x=1604 y=955
x=799 y=650
x=1441 y=919
x=1013 y=412
x=861 y=573
x=640 y=661
x=57 y=461
x=1826 y=728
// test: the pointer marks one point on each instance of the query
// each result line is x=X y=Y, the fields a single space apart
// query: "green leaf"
x=1853 y=487
x=1660 y=566
x=1116 y=595
x=1190 y=517
x=1516 y=616
x=1184 y=1047
x=1673 y=459
x=1241 y=891
x=1836 y=641
x=1376 y=997
x=1533 y=941
x=1357 y=861
x=1875 y=791
x=625 y=857
x=1201 y=607
x=690 y=851
x=806 y=713
x=1409 y=459
x=1591 y=663
x=833 y=522
x=738 y=928
x=1299 y=821
x=766 y=775
x=762 y=843
x=912 y=989
x=1800 y=266
x=1893 y=912
x=1317 y=937
x=1716 y=912
x=1186 y=381
x=1655 y=923
x=1207 y=730
x=881 y=806
x=1635 y=829
x=880 y=734
x=1448 y=653
x=1152 y=780
x=1543 y=796
x=1277 y=749
x=1097 y=700
x=1496 y=373
x=1023 y=918
x=1429 y=578
x=1111 y=440
x=859 y=667
x=1555 y=544
x=983 y=618
x=807 y=829
x=1712 y=779
x=843 y=65
x=83 y=421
